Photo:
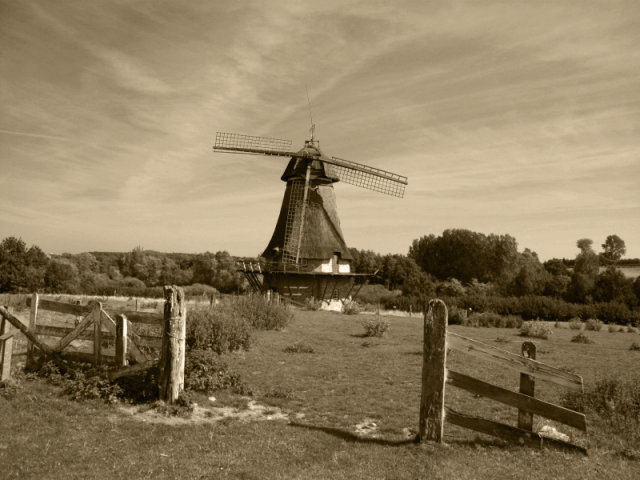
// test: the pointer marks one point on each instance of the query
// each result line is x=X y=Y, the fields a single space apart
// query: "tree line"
x=137 y=272
x=461 y=260
x=455 y=262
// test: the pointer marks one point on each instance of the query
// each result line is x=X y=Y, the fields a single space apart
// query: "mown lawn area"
x=330 y=380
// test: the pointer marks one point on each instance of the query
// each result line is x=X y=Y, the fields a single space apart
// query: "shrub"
x=375 y=328
x=298 y=347
x=616 y=401
x=513 y=321
x=375 y=294
x=457 y=316
x=262 y=314
x=220 y=330
x=312 y=304
x=351 y=308
x=635 y=346
x=81 y=381
x=487 y=319
x=581 y=338
x=631 y=329
x=613 y=328
x=200 y=290
x=535 y=329
x=575 y=324
x=593 y=324
x=204 y=371
x=613 y=312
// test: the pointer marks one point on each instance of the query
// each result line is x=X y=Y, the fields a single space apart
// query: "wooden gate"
x=433 y=412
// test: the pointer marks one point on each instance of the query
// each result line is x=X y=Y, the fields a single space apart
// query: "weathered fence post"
x=6 y=349
x=527 y=387
x=434 y=354
x=121 y=341
x=97 y=333
x=171 y=380
x=33 y=315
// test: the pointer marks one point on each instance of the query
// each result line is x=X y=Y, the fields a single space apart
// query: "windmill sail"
x=367 y=177
x=237 y=143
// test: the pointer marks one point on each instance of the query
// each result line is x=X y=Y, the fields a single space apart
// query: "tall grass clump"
x=535 y=329
x=593 y=324
x=262 y=314
x=616 y=401
x=206 y=372
x=220 y=330
x=581 y=338
x=375 y=327
x=575 y=324
x=351 y=308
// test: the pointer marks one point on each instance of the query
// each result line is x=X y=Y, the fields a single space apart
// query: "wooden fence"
x=6 y=349
x=434 y=413
x=96 y=335
x=99 y=337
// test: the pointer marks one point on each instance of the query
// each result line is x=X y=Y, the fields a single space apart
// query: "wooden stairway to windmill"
x=307 y=255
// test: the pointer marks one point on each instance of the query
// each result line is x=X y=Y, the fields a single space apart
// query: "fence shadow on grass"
x=352 y=437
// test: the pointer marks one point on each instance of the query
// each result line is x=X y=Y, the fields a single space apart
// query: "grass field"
x=351 y=408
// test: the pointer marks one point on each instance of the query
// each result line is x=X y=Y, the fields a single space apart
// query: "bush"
x=457 y=316
x=81 y=381
x=298 y=347
x=375 y=294
x=575 y=324
x=312 y=304
x=616 y=401
x=581 y=338
x=613 y=328
x=593 y=324
x=262 y=314
x=613 y=312
x=351 y=308
x=535 y=329
x=375 y=328
x=220 y=330
x=635 y=346
x=200 y=290
x=204 y=371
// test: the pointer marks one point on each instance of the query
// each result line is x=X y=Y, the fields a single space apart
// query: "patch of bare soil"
x=207 y=413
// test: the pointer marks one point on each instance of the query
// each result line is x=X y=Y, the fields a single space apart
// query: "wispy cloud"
x=514 y=118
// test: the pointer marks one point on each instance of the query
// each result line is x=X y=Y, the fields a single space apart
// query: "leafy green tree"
x=613 y=249
x=585 y=272
x=61 y=276
x=611 y=285
x=556 y=266
x=21 y=269
x=366 y=261
x=218 y=270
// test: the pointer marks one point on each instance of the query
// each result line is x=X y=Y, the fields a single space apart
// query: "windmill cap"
x=309 y=154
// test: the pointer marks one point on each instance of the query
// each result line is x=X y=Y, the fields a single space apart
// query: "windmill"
x=307 y=255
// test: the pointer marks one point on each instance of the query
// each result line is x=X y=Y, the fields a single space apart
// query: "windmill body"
x=307 y=255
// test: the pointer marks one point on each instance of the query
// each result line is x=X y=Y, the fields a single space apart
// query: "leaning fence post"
x=121 y=341
x=434 y=356
x=171 y=379
x=97 y=333
x=527 y=387
x=6 y=349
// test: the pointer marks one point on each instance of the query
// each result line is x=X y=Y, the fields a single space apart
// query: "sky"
x=507 y=117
